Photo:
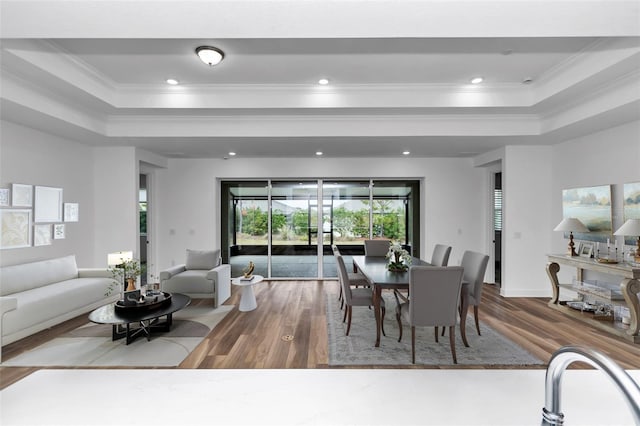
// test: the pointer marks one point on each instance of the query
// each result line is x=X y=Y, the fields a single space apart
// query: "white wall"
x=31 y=157
x=610 y=157
x=526 y=183
x=188 y=204
x=103 y=181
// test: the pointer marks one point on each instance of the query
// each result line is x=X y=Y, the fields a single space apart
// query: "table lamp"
x=571 y=224
x=631 y=228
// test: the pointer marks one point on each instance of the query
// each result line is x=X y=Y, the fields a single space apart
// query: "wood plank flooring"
x=288 y=330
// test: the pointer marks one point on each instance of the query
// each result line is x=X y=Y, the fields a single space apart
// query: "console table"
x=629 y=286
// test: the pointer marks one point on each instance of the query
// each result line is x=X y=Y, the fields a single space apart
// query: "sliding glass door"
x=286 y=228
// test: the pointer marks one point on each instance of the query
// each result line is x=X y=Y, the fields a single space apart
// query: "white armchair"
x=203 y=276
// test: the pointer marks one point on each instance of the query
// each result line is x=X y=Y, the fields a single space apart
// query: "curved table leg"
x=630 y=288
x=552 y=272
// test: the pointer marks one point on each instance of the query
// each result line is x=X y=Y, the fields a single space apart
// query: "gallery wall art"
x=15 y=227
x=592 y=205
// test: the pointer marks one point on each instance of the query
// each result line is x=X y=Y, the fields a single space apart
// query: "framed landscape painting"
x=631 y=207
x=592 y=206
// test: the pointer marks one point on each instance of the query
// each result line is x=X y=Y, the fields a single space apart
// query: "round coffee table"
x=248 y=298
x=148 y=320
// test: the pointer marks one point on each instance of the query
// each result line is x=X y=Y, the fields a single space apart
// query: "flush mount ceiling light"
x=323 y=81
x=406 y=152
x=172 y=81
x=318 y=153
x=210 y=55
x=231 y=153
x=477 y=80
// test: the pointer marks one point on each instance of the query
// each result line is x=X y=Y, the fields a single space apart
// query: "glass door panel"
x=391 y=211
x=294 y=230
x=346 y=220
x=247 y=226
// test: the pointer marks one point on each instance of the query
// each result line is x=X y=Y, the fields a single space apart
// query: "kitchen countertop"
x=307 y=397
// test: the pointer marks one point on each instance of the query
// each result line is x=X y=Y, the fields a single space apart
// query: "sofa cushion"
x=44 y=303
x=26 y=276
x=189 y=281
x=202 y=259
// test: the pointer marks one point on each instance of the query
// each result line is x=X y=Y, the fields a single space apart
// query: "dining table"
x=374 y=268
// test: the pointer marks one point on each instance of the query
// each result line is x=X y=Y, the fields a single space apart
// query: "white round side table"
x=248 y=298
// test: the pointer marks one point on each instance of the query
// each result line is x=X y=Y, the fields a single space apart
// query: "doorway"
x=286 y=228
x=497 y=227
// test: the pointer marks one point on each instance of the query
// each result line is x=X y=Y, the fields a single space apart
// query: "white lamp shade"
x=631 y=228
x=119 y=257
x=210 y=55
x=571 y=224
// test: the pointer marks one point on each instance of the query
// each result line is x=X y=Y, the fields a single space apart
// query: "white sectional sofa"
x=37 y=295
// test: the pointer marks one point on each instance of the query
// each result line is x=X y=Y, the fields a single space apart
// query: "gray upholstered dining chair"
x=475 y=266
x=440 y=255
x=360 y=296
x=356 y=279
x=376 y=247
x=435 y=295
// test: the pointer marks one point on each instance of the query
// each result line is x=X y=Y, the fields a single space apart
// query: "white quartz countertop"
x=307 y=397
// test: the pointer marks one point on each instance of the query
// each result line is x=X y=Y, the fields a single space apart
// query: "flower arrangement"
x=400 y=259
x=128 y=270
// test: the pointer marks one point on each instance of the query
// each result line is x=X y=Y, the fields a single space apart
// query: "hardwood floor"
x=288 y=330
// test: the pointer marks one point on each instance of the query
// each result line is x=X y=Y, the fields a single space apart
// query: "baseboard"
x=505 y=292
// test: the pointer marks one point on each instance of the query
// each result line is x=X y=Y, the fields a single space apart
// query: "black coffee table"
x=149 y=321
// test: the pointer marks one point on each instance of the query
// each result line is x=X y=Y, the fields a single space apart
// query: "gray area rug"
x=491 y=348
x=91 y=344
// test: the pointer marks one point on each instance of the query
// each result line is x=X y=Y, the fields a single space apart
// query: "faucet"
x=560 y=360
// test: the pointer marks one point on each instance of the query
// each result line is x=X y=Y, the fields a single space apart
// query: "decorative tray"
x=581 y=306
x=144 y=302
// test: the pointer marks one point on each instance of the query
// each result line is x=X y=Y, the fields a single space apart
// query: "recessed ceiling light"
x=527 y=80
x=323 y=81
x=172 y=81
x=210 y=55
x=318 y=153
x=231 y=153
x=406 y=152
x=477 y=80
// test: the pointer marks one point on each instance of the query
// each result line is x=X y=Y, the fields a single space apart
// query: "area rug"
x=490 y=349
x=91 y=344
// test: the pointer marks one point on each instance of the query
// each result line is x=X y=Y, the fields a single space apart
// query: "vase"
x=131 y=284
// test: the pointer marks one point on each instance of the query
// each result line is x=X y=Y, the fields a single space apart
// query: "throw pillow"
x=202 y=259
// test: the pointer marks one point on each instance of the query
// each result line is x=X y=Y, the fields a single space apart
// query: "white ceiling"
x=78 y=73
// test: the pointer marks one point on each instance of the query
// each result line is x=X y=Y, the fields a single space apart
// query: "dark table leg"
x=377 y=296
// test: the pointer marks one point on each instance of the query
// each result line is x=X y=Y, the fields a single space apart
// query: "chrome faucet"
x=560 y=360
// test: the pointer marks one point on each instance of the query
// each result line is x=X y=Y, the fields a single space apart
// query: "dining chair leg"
x=436 y=333
x=384 y=311
x=475 y=315
x=349 y=310
x=344 y=318
x=413 y=344
x=452 y=342
x=399 y=324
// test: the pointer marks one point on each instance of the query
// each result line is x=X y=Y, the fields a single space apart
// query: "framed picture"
x=71 y=212
x=58 y=231
x=631 y=207
x=586 y=249
x=22 y=195
x=15 y=228
x=48 y=204
x=42 y=235
x=592 y=205
x=4 y=196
